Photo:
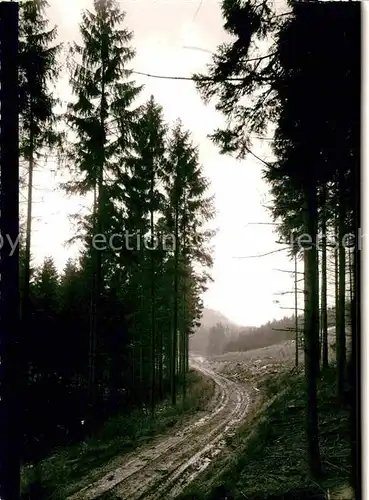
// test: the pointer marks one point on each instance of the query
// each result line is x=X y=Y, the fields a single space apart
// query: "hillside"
x=218 y=335
x=271 y=333
x=210 y=318
x=199 y=341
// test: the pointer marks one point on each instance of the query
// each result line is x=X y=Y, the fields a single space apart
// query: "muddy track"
x=163 y=470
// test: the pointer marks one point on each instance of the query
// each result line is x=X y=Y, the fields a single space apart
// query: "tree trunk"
x=184 y=308
x=341 y=331
x=97 y=258
x=168 y=353
x=351 y=263
x=27 y=260
x=160 y=366
x=318 y=335
x=351 y=260
x=336 y=294
x=26 y=299
x=141 y=347
x=310 y=333
x=355 y=358
x=175 y=313
x=336 y=288
x=99 y=287
x=153 y=329
x=92 y=336
x=134 y=354
x=11 y=356
x=183 y=348
x=187 y=353
x=296 y=319
x=116 y=361
x=324 y=316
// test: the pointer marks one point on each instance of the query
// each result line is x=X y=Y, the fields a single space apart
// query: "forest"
x=111 y=332
x=222 y=338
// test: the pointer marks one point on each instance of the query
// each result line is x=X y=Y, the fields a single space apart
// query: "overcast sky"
x=243 y=288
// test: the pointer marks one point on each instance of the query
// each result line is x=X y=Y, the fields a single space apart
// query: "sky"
x=244 y=287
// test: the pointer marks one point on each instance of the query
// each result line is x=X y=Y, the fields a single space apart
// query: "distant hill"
x=210 y=318
x=271 y=333
x=217 y=334
x=199 y=341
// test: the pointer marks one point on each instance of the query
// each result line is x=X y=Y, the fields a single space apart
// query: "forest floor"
x=70 y=468
x=266 y=458
x=242 y=435
x=162 y=468
x=166 y=466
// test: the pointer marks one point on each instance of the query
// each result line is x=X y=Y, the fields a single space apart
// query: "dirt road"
x=163 y=468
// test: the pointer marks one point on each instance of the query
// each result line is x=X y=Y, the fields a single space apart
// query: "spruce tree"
x=38 y=72
x=100 y=118
x=187 y=210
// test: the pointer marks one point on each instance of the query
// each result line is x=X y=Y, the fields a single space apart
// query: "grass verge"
x=269 y=460
x=56 y=475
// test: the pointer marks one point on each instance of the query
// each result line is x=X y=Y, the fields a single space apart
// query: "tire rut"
x=165 y=469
